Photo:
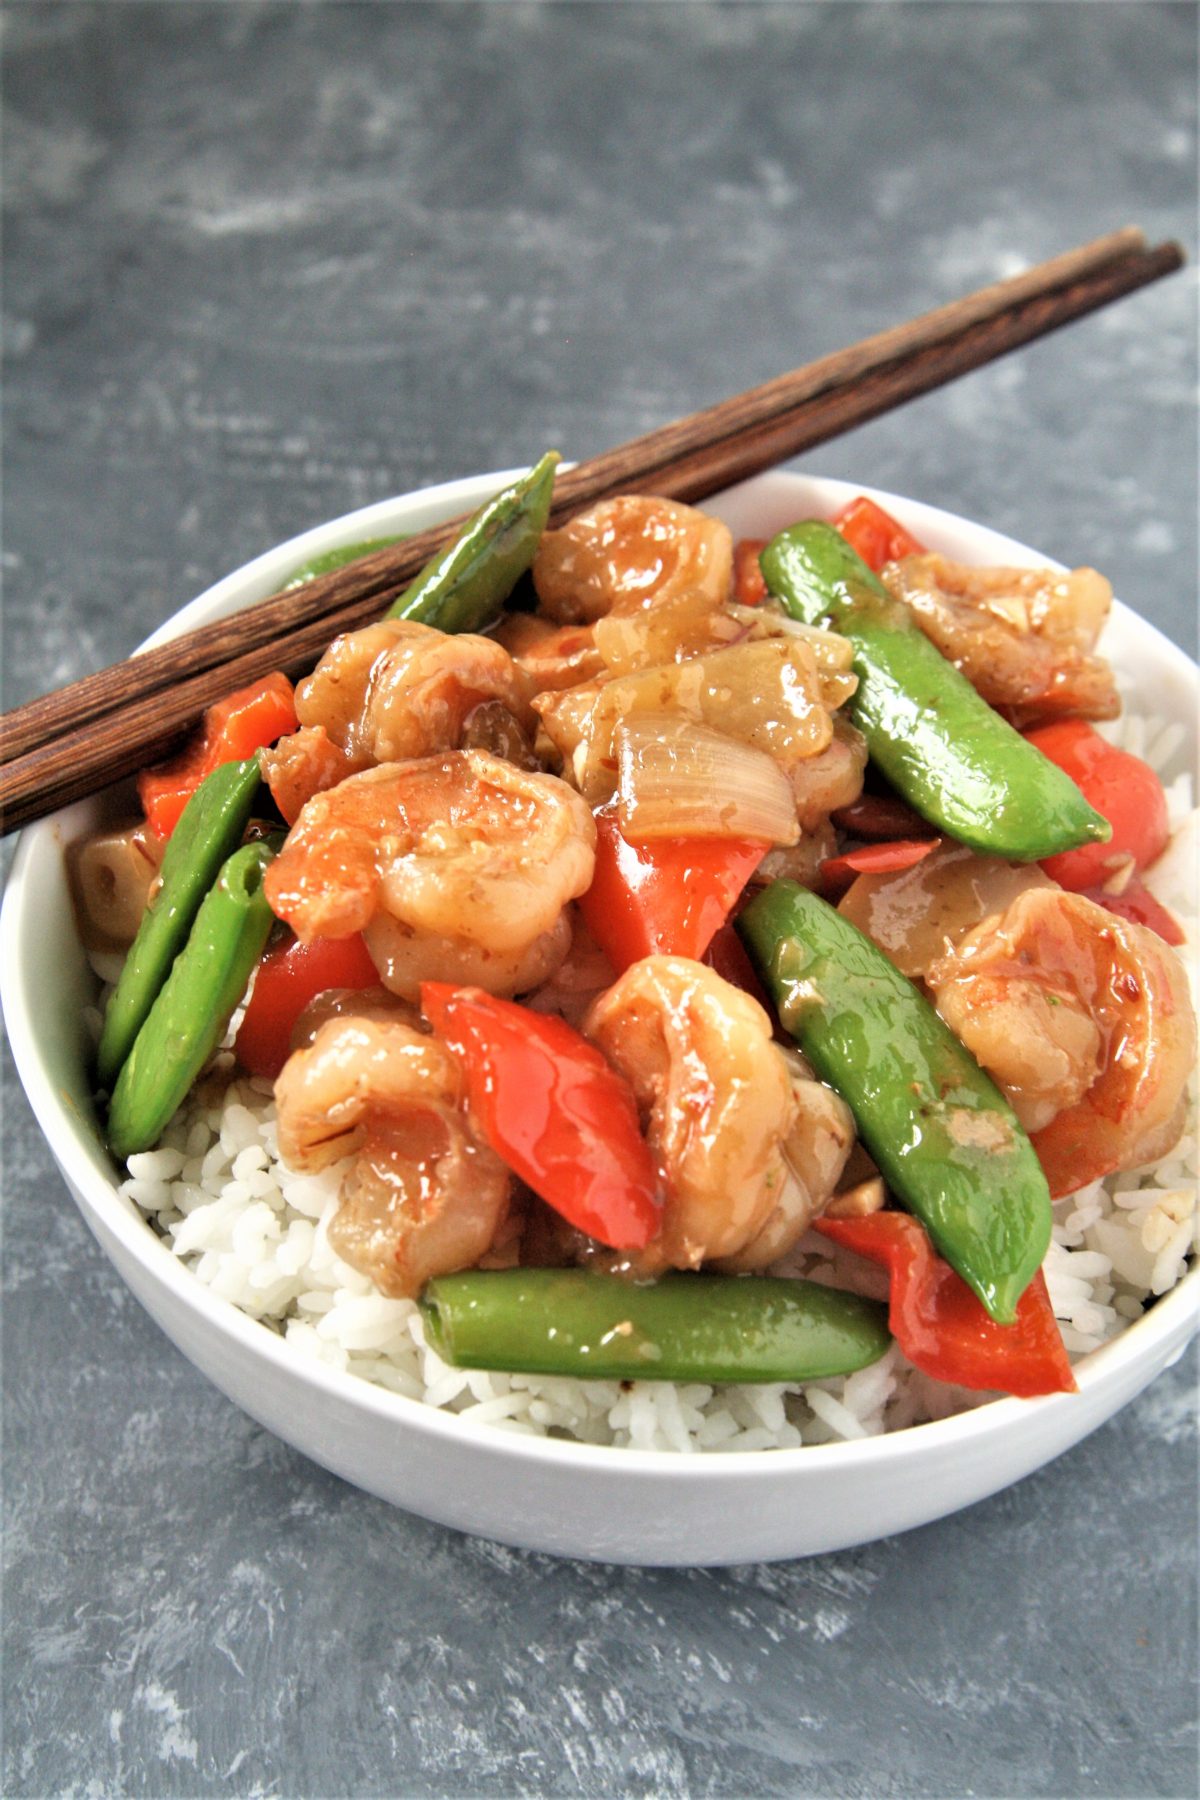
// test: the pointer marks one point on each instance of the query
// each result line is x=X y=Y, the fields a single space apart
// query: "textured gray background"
x=264 y=263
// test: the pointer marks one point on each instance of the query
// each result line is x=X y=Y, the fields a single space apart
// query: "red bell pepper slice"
x=940 y=1324
x=554 y=1108
x=667 y=898
x=1119 y=785
x=232 y=730
x=749 y=583
x=874 y=534
x=837 y=872
x=288 y=977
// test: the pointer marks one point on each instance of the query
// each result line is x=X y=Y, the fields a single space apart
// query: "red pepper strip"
x=837 y=872
x=667 y=898
x=874 y=534
x=1136 y=902
x=749 y=584
x=288 y=977
x=941 y=1326
x=232 y=730
x=553 y=1107
x=1119 y=785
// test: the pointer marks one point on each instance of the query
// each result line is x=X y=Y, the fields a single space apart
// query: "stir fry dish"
x=680 y=960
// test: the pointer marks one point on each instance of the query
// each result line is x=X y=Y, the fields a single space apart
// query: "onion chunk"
x=678 y=779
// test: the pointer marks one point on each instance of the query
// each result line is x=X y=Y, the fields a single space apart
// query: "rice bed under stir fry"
x=257 y=1234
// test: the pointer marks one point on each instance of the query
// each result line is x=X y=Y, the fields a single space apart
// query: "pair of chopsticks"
x=84 y=736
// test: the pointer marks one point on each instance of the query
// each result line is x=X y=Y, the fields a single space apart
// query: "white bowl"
x=613 y=1505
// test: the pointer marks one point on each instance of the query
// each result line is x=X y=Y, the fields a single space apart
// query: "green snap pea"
x=332 y=560
x=947 y=1143
x=210 y=828
x=741 y=1328
x=464 y=586
x=955 y=760
x=195 y=1004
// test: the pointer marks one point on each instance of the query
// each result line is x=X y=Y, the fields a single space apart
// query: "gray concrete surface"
x=266 y=262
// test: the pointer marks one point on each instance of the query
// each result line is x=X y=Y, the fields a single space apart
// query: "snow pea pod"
x=947 y=1143
x=464 y=586
x=330 y=561
x=681 y=1328
x=196 y=1003
x=954 y=759
x=210 y=828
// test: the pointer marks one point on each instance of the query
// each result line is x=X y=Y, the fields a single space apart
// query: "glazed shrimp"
x=1023 y=637
x=550 y=657
x=392 y=691
x=815 y=1152
x=455 y=868
x=1086 y=1022
x=422 y=1195
x=398 y=689
x=628 y=552
x=718 y=1100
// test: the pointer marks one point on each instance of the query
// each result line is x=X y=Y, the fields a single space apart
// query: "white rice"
x=257 y=1234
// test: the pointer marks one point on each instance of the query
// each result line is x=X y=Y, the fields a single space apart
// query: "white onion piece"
x=678 y=779
x=830 y=650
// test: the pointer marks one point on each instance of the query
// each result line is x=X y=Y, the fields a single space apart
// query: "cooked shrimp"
x=374 y=1003
x=550 y=656
x=632 y=550
x=831 y=778
x=919 y=914
x=304 y=763
x=1023 y=637
x=584 y=973
x=815 y=1151
x=718 y=1099
x=422 y=1196
x=1086 y=1022
x=398 y=689
x=405 y=958
x=455 y=868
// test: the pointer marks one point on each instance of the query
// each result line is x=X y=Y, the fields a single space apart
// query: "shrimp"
x=549 y=656
x=422 y=1196
x=399 y=689
x=454 y=867
x=583 y=974
x=830 y=779
x=1022 y=637
x=719 y=1101
x=919 y=914
x=631 y=551
x=359 y=1003
x=1086 y=1022
x=304 y=763
x=815 y=1152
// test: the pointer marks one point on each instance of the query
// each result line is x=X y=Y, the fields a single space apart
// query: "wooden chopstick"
x=81 y=738
x=643 y=461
